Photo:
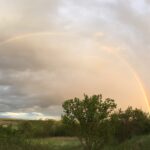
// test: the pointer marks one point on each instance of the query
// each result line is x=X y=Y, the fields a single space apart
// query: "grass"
x=67 y=143
x=59 y=143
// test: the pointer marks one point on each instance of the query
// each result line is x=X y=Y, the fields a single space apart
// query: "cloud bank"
x=54 y=50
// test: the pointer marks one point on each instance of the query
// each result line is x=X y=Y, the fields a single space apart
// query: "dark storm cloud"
x=21 y=75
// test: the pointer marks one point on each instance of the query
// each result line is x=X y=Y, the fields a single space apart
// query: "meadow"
x=136 y=143
x=35 y=135
x=11 y=140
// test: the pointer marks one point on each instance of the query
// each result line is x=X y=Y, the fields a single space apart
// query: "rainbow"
x=137 y=78
x=134 y=73
x=12 y=39
x=139 y=82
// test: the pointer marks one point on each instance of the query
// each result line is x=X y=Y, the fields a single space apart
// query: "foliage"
x=129 y=123
x=96 y=122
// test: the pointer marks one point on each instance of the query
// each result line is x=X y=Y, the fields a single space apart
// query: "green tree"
x=88 y=119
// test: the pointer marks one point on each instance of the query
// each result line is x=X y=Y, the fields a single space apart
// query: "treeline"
x=120 y=126
x=41 y=129
x=35 y=129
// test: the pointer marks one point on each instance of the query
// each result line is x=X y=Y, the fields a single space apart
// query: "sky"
x=54 y=50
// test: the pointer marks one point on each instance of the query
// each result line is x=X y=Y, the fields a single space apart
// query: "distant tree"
x=129 y=123
x=140 y=122
x=88 y=119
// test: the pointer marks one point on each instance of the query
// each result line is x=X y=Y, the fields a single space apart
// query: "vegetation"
x=97 y=123
x=135 y=143
x=129 y=123
x=89 y=117
x=43 y=129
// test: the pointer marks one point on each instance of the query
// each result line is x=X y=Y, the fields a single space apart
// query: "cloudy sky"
x=53 y=50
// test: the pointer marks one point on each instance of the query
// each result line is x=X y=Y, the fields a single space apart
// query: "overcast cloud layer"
x=52 y=50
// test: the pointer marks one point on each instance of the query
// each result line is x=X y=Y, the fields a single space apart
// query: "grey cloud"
x=38 y=72
x=18 y=57
x=134 y=33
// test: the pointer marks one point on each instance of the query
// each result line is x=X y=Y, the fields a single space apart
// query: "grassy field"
x=59 y=143
x=64 y=143
x=136 y=143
